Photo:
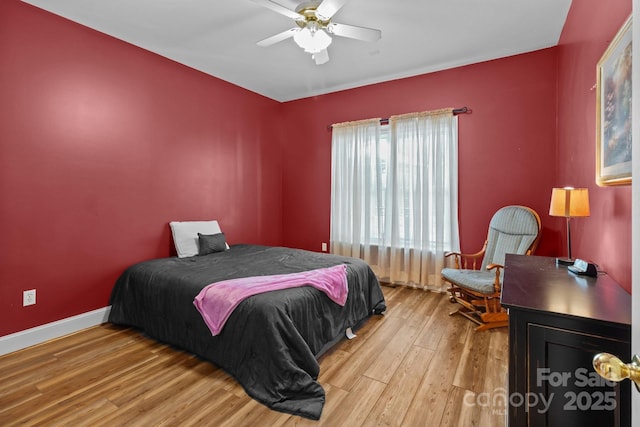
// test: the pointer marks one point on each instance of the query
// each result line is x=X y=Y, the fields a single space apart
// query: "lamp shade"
x=569 y=202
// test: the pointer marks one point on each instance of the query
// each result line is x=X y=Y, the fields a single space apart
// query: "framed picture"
x=613 y=114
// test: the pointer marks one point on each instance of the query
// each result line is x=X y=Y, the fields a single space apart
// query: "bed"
x=271 y=341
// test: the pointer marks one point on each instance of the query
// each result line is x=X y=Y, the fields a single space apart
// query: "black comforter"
x=272 y=340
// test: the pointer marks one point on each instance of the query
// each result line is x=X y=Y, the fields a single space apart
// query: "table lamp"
x=570 y=203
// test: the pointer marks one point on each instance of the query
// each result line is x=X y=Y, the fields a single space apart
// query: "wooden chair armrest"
x=496 y=282
x=457 y=256
x=468 y=260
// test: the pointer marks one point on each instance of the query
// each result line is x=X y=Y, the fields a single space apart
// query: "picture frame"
x=613 y=111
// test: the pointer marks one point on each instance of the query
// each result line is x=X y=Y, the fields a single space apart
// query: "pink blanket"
x=216 y=301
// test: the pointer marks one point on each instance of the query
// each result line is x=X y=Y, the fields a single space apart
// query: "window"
x=394 y=194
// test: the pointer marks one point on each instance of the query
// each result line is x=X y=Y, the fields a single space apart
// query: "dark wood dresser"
x=557 y=322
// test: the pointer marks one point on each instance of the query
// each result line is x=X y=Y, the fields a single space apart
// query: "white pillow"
x=185 y=235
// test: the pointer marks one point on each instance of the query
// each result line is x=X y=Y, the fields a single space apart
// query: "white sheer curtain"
x=422 y=196
x=394 y=195
x=356 y=188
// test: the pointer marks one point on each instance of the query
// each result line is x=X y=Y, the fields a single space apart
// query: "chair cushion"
x=476 y=280
x=512 y=231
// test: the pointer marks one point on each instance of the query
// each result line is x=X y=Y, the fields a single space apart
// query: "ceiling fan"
x=315 y=28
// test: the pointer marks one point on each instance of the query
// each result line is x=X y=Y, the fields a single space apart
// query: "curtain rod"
x=456 y=111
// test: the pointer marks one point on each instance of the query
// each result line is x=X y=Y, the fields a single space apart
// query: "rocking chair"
x=476 y=280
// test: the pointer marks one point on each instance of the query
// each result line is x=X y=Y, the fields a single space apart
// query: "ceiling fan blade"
x=278 y=8
x=321 y=57
x=328 y=8
x=278 y=37
x=353 y=32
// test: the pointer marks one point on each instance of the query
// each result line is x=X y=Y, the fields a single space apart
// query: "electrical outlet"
x=324 y=247
x=28 y=297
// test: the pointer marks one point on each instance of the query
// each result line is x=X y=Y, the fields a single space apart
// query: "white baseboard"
x=40 y=334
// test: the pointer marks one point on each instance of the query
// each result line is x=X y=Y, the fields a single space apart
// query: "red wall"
x=102 y=144
x=605 y=236
x=507 y=145
x=532 y=129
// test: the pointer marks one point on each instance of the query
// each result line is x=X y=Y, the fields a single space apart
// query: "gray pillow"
x=210 y=243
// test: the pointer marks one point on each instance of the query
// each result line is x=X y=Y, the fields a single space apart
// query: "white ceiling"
x=219 y=37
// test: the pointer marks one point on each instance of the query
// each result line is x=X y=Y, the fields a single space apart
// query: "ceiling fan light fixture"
x=315 y=29
x=312 y=41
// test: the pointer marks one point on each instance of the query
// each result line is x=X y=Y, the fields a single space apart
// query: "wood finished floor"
x=414 y=366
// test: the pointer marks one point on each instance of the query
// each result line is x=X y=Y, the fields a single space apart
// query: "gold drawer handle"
x=612 y=368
